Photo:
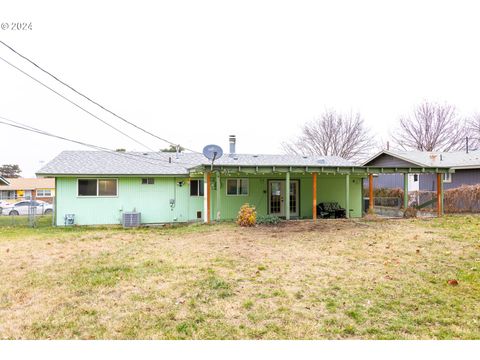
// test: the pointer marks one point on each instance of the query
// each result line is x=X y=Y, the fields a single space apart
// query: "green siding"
x=153 y=201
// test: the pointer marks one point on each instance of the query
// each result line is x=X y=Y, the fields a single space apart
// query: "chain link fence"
x=26 y=213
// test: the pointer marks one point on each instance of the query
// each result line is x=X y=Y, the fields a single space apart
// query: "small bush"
x=410 y=212
x=247 y=216
x=268 y=220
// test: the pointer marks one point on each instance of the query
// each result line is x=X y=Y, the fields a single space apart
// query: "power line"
x=131 y=156
x=93 y=101
x=74 y=103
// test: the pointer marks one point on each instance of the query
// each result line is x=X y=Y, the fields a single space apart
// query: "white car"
x=4 y=203
x=21 y=208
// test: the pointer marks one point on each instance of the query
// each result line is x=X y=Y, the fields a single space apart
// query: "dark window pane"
x=232 y=187
x=87 y=187
x=194 y=188
x=148 y=181
x=107 y=187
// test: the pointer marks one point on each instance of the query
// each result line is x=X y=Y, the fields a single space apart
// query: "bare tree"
x=431 y=127
x=473 y=128
x=333 y=134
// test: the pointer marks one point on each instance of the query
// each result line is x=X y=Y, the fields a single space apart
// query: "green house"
x=98 y=187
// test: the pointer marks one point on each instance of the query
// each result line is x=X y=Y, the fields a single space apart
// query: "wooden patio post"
x=287 y=196
x=370 y=189
x=314 y=204
x=439 y=195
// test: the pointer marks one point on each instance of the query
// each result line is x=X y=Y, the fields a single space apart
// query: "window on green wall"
x=148 y=181
x=237 y=186
x=196 y=187
x=107 y=187
x=97 y=187
x=87 y=187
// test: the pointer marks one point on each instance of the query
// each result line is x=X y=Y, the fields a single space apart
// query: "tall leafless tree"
x=333 y=134
x=431 y=127
x=473 y=128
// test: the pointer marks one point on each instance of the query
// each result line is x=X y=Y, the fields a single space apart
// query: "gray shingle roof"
x=135 y=163
x=278 y=160
x=454 y=160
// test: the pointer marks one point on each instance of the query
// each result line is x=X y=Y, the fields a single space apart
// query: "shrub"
x=410 y=212
x=465 y=198
x=268 y=220
x=247 y=216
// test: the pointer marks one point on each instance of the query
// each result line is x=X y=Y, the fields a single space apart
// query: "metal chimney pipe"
x=232 y=141
x=466 y=144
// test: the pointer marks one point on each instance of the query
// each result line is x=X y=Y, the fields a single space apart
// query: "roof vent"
x=305 y=156
x=321 y=161
x=255 y=156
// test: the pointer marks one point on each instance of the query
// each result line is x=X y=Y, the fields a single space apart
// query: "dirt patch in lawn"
x=296 y=280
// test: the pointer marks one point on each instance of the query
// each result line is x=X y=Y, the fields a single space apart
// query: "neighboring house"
x=3 y=181
x=28 y=189
x=97 y=187
x=466 y=167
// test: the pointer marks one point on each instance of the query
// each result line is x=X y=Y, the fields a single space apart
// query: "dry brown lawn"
x=298 y=280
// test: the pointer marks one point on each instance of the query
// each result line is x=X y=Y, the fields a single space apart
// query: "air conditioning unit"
x=131 y=219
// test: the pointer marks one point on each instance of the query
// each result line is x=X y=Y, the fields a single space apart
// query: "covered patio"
x=342 y=184
x=407 y=163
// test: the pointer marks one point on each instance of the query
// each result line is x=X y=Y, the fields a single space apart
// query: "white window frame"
x=238 y=187
x=42 y=191
x=98 y=196
x=447 y=177
x=148 y=179
x=200 y=181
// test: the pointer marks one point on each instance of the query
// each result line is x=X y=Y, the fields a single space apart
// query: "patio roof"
x=340 y=170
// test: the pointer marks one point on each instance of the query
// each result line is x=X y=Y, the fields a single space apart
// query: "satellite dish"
x=212 y=152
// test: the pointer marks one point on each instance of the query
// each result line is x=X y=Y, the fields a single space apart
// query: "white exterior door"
x=276 y=197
